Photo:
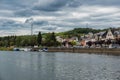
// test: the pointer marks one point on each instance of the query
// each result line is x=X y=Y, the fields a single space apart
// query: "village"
x=105 y=39
x=108 y=38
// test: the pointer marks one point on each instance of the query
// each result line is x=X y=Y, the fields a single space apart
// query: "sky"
x=16 y=16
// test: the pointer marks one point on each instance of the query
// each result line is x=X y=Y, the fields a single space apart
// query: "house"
x=83 y=43
x=66 y=43
x=59 y=39
x=108 y=34
x=90 y=35
x=117 y=34
x=105 y=35
x=74 y=39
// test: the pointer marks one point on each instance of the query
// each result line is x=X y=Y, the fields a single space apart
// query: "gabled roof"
x=116 y=32
x=100 y=33
x=104 y=35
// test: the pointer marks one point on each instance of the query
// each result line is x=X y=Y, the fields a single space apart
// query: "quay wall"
x=86 y=50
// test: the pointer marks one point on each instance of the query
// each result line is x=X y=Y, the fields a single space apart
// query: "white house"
x=109 y=34
x=59 y=39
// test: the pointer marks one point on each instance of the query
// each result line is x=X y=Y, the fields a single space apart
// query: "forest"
x=29 y=40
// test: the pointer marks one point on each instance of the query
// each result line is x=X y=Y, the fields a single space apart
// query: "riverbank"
x=6 y=48
x=113 y=51
x=87 y=50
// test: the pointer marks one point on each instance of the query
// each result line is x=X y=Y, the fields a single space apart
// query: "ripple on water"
x=58 y=66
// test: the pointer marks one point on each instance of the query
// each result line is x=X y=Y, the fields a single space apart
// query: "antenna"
x=86 y=25
x=31 y=29
x=31 y=23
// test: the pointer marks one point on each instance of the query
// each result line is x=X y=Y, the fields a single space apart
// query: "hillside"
x=79 y=32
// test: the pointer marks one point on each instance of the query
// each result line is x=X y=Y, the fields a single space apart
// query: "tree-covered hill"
x=79 y=32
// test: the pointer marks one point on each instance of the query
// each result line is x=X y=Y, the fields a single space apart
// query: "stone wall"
x=86 y=50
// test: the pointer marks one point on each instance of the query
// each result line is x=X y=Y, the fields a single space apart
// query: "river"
x=58 y=66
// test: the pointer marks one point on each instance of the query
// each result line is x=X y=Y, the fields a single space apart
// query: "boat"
x=16 y=49
x=45 y=49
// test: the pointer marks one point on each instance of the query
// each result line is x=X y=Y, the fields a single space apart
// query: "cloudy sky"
x=56 y=15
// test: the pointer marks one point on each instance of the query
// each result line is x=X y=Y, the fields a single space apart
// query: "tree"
x=73 y=43
x=39 y=38
x=53 y=38
x=50 y=40
x=18 y=41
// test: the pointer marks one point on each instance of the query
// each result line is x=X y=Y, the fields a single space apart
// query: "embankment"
x=86 y=50
x=6 y=48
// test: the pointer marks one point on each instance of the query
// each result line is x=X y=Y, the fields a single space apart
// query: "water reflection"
x=58 y=66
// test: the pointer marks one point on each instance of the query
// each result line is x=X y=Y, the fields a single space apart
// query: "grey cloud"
x=10 y=24
x=74 y=3
x=39 y=23
x=54 y=6
x=58 y=14
x=99 y=2
x=24 y=12
x=15 y=4
x=45 y=7
x=60 y=4
x=49 y=28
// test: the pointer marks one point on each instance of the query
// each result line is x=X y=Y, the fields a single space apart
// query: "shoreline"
x=113 y=51
x=6 y=49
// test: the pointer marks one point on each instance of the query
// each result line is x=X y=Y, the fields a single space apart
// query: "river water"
x=58 y=66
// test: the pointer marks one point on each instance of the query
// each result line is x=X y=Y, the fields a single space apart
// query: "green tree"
x=33 y=40
x=50 y=40
x=39 y=39
x=53 y=38
x=18 y=41
x=73 y=43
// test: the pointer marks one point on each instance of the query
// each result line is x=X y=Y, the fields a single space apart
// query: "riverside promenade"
x=114 y=51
